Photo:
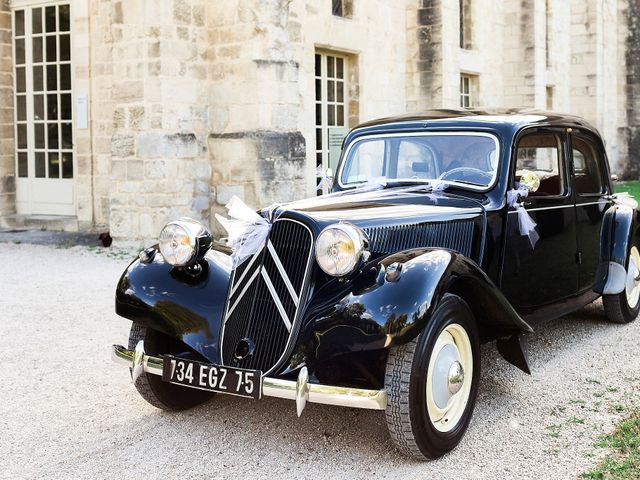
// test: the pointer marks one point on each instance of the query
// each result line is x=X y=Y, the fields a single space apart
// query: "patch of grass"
x=624 y=462
x=633 y=187
x=618 y=407
x=577 y=420
x=558 y=410
x=553 y=431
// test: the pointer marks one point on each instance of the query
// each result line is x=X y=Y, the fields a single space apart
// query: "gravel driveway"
x=67 y=412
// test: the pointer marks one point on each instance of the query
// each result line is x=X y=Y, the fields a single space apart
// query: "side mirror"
x=614 y=177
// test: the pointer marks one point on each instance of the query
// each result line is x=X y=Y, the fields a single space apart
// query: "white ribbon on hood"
x=526 y=224
x=247 y=230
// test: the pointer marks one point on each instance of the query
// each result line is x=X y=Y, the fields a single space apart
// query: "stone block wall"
x=631 y=134
x=254 y=146
x=425 y=52
x=7 y=146
x=87 y=186
x=262 y=141
x=595 y=59
x=519 y=53
x=155 y=83
x=101 y=120
x=194 y=101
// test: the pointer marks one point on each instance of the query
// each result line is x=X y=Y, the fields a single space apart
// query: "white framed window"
x=331 y=102
x=465 y=91
x=43 y=107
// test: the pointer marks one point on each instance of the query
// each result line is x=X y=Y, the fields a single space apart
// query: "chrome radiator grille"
x=266 y=291
x=455 y=236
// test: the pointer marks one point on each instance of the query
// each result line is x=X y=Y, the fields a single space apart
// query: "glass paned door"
x=330 y=102
x=43 y=110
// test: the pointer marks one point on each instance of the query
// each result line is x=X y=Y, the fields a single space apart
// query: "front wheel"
x=432 y=382
x=162 y=395
x=625 y=306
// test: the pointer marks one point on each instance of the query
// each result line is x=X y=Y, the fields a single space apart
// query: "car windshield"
x=467 y=158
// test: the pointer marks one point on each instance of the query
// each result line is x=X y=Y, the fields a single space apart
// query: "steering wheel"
x=468 y=172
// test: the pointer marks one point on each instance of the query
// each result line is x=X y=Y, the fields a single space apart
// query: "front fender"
x=378 y=313
x=618 y=234
x=186 y=306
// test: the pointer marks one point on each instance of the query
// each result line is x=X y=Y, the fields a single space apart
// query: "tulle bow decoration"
x=247 y=230
x=526 y=224
x=325 y=179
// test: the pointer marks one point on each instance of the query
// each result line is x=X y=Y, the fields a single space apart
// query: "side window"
x=415 y=161
x=541 y=153
x=368 y=162
x=588 y=178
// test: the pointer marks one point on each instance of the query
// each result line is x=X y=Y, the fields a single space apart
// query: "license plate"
x=216 y=378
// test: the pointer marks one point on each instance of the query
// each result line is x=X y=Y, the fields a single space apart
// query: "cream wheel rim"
x=632 y=287
x=449 y=377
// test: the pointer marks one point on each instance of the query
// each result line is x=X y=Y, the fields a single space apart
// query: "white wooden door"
x=45 y=160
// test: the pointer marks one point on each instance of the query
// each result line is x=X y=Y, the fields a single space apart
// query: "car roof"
x=503 y=118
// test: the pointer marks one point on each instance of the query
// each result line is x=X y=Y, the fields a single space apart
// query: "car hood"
x=388 y=207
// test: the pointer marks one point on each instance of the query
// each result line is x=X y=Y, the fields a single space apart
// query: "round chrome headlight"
x=339 y=249
x=183 y=241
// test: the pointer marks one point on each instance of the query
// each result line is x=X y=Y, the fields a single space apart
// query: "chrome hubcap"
x=632 y=287
x=455 y=378
x=449 y=377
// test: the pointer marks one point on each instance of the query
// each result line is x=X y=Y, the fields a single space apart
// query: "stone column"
x=631 y=164
x=159 y=167
x=7 y=146
x=594 y=67
x=521 y=54
x=425 y=62
x=255 y=146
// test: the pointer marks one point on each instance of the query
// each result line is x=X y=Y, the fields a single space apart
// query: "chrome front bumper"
x=301 y=390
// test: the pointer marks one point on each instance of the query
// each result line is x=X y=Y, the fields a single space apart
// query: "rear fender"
x=186 y=306
x=618 y=234
x=379 y=313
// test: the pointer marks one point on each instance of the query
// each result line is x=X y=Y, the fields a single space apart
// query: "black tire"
x=408 y=421
x=162 y=395
x=617 y=307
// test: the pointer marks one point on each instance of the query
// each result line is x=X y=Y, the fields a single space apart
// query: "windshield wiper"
x=467 y=182
x=407 y=183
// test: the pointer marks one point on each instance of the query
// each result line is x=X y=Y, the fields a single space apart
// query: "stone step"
x=65 y=223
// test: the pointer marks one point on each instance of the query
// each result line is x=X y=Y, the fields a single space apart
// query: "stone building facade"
x=121 y=115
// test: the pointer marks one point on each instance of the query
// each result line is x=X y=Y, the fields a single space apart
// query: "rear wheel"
x=625 y=306
x=163 y=395
x=432 y=382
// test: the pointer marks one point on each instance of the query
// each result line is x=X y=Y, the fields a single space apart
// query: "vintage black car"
x=441 y=231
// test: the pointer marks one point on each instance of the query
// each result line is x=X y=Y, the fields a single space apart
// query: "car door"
x=590 y=171
x=547 y=271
